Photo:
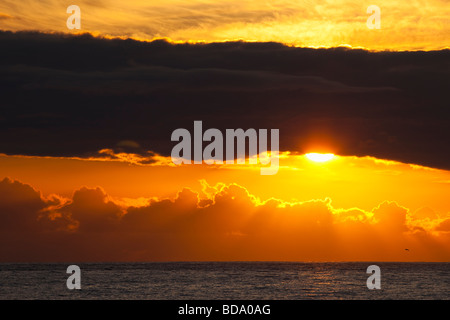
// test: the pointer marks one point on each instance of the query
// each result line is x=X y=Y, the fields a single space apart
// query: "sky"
x=406 y=25
x=86 y=118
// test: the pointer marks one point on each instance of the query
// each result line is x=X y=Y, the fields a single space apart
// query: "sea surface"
x=225 y=281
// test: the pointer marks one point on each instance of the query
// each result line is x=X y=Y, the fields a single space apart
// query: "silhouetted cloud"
x=75 y=95
x=226 y=223
x=20 y=205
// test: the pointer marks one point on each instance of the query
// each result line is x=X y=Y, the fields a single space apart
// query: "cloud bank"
x=223 y=222
x=76 y=95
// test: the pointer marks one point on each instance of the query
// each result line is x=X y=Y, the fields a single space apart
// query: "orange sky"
x=405 y=25
x=348 y=208
x=116 y=208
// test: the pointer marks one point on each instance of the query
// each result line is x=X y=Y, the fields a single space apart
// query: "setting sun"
x=320 y=157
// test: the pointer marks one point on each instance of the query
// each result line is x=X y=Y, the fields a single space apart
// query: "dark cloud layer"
x=74 y=95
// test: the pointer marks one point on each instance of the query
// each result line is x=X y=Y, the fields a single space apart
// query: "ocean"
x=225 y=281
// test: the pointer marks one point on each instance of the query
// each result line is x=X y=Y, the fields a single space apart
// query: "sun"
x=320 y=157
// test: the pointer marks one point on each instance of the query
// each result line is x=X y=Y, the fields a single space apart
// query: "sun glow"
x=320 y=157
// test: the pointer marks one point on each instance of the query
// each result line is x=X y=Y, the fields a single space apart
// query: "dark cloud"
x=74 y=95
x=19 y=206
x=92 y=211
x=231 y=224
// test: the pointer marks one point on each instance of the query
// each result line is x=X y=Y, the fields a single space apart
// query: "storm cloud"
x=64 y=95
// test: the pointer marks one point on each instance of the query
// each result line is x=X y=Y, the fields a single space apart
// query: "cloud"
x=228 y=223
x=77 y=95
x=444 y=226
x=19 y=205
x=128 y=144
x=92 y=210
x=4 y=16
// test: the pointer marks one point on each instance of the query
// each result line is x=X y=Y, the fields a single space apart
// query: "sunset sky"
x=86 y=118
x=406 y=25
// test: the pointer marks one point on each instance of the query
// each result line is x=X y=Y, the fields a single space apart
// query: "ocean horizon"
x=243 y=280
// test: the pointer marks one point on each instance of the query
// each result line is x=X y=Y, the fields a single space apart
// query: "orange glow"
x=349 y=209
x=406 y=25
